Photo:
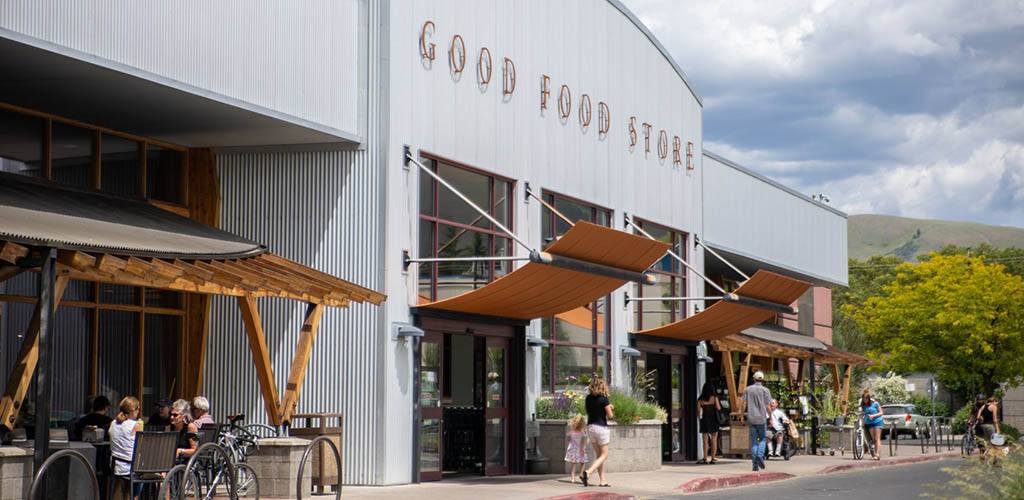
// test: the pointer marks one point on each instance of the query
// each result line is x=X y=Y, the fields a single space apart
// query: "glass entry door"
x=431 y=374
x=496 y=402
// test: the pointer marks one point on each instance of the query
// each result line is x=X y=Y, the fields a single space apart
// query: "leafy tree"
x=954 y=316
x=1011 y=257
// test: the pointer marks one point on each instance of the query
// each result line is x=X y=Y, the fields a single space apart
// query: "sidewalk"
x=670 y=479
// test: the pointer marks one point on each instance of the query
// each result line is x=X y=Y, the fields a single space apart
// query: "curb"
x=882 y=463
x=593 y=496
x=714 y=483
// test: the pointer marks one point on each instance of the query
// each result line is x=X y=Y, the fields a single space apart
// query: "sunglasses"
x=175 y=415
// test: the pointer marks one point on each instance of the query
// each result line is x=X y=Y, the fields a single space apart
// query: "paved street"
x=897 y=481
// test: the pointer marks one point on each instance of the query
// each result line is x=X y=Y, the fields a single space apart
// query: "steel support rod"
x=680 y=259
x=549 y=207
x=734 y=268
x=47 y=277
x=592 y=268
x=655 y=299
x=465 y=259
x=408 y=156
x=760 y=304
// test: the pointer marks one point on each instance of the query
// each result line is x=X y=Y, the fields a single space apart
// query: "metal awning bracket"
x=696 y=241
x=678 y=258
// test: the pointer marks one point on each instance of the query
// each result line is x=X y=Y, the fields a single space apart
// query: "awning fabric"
x=537 y=290
x=727 y=318
x=111 y=239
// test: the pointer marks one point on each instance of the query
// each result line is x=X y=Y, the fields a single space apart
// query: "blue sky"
x=911 y=108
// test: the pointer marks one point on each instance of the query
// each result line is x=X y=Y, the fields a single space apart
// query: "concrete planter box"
x=15 y=472
x=633 y=448
x=276 y=464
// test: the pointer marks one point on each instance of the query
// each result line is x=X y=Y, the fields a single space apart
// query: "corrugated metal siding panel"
x=293 y=57
x=319 y=209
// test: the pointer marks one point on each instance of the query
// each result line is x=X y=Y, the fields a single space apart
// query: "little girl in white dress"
x=576 y=452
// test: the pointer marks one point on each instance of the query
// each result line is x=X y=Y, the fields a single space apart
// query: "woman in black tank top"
x=988 y=416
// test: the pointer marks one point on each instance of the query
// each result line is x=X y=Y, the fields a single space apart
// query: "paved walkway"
x=670 y=479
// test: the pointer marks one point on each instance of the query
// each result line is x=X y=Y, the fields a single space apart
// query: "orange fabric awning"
x=538 y=290
x=726 y=318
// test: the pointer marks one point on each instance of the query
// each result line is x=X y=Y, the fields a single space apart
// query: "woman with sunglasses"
x=181 y=421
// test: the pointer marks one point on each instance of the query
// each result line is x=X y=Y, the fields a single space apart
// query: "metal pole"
x=463 y=197
x=425 y=260
x=734 y=268
x=549 y=207
x=47 y=281
x=654 y=299
x=678 y=258
x=814 y=421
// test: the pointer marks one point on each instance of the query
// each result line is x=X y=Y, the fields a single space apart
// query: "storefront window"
x=72 y=156
x=21 y=144
x=579 y=338
x=451 y=228
x=120 y=166
x=671 y=276
x=165 y=174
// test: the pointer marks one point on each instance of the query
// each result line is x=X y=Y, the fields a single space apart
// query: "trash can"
x=326 y=472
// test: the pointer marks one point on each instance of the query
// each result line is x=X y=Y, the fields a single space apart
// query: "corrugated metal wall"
x=293 y=57
x=319 y=209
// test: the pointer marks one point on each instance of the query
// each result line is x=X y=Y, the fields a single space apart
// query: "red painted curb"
x=882 y=463
x=595 y=495
x=714 y=483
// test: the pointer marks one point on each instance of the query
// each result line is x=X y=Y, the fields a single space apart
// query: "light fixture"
x=629 y=352
x=536 y=342
x=404 y=331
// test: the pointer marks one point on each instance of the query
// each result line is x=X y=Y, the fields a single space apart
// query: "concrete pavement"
x=671 y=479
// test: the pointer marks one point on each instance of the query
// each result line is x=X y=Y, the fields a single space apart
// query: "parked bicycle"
x=861 y=442
x=969 y=442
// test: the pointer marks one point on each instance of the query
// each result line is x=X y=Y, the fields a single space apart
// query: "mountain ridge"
x=874 y=234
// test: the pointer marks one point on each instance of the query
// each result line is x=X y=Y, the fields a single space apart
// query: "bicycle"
x=861 y=443
x=970 y=441
x=211 y=474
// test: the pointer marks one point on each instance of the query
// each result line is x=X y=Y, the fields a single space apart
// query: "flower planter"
x=633 y=448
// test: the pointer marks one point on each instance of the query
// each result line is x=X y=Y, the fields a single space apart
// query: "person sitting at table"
x=181 y=421
x=122 y=443
x=201 y=411
x=159 y=420
x=97 y=419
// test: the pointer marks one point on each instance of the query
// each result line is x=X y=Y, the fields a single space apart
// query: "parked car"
x=907 y=420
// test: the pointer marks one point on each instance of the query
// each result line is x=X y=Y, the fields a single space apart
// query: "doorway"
x=672 y=386
x=466 y=396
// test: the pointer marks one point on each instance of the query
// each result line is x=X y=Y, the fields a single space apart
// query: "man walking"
x=755 y=402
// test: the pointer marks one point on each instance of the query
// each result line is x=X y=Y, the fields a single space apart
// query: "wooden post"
x=744 y=371
x=301 y=359
x=203 y=202
x=788 y=370
x=260 y=356
x=25 y=366
x=800 y=375
x=734 y=397
x=844 y=399
x=835 y=379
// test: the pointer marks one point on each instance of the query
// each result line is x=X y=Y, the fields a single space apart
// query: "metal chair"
x=152 y=457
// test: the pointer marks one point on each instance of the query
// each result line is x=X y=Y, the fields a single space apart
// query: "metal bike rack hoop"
x=232 y=487
x=305 y=456
x=57 y=456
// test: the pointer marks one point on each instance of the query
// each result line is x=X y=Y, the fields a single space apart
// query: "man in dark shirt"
x=162 y=418
x=97 y=419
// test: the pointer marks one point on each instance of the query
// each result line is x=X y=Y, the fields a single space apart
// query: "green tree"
x=954 y=316
x=1011 y=257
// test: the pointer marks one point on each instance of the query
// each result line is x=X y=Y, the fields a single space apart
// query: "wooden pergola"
x=749 y=347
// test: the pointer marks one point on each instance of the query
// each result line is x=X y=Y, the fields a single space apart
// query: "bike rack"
x=302 y=465
x=233 y=489
x=36 y=481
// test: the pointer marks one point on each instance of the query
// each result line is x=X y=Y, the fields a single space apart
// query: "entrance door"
x=668 y=391
x=431 y=373
x=496 y=412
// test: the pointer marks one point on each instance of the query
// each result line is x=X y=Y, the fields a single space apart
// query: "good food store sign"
x=484 y=71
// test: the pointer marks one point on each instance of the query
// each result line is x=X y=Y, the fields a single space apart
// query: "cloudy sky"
x=907 y=107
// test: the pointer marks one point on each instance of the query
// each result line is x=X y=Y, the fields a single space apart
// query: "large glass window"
x=21 y=143
x=451 y=228
x=579 y=339
x=120 y=166
x=71 y=160
x=671 y=282
x=165 y=174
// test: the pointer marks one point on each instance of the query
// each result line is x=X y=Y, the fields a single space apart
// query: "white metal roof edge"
x=775 y=183
x=654 y=40
x=777 y=264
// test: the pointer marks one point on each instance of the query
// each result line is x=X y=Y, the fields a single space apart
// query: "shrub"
x=1012 y=433
x=960 y=418
x=628 y=408
x=978 y=478
x=924 y=405
x=889 y=389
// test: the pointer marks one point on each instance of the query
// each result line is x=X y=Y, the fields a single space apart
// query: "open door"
x=496 y=414
x=431 y=382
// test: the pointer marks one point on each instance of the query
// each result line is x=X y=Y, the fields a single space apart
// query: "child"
x=576 y=453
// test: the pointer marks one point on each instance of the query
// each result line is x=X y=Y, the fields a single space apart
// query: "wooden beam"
x=197 y=319
x=8 y=272
x=110 y=264
x=835 y=379
x=844 y=399
x=730 y=379
x=80 y=261
x=260 y=356
x=25 y=366
x=226 y=278
x=351 y=288
x=744 y=373
x=11 y=252
x=788 y=370
x=140 y=268
x=300 y=360
x=800 y=368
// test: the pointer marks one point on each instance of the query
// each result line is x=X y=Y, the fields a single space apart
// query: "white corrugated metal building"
x=307 y=110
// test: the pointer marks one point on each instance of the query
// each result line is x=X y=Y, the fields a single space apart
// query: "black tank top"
x=986 y=416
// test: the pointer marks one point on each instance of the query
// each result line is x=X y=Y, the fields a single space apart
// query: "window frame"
x=677 y=275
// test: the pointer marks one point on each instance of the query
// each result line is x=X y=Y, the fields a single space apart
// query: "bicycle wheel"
x=249 y=436
x=174 y=488
x=247 y=486
x=858 y=444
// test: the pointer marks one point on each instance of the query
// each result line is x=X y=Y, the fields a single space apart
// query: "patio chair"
x=152 y=457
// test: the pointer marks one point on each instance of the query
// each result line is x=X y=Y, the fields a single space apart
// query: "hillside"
x=869 y=235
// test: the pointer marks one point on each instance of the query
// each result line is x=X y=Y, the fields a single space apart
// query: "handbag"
x=723 y=418
x=792 y=430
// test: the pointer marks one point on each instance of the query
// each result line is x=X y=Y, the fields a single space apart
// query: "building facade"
x=316 y=119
